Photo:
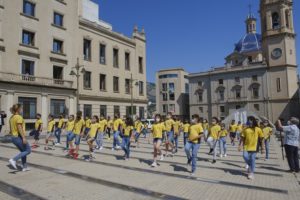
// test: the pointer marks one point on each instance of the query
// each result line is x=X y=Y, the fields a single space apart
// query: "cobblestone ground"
x=54 y=176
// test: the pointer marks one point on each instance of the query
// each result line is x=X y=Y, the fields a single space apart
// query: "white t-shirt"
x=291 y=135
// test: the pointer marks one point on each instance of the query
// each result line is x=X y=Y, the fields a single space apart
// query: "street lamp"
x=77 y=74
x=131 y=93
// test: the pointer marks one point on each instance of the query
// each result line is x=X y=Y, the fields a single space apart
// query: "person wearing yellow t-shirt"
x=138 y=127
x=59 y=129
x=185 y=127
x=222 y=141
x=50 y=132
x=117 y=126
x=177 y=128
x=38 y=127
x=77 y=133
x=109 y=126
x=101 y=132
x=88 y=123
x=239 y=129
x=91 y=137
x=205 y=126
x=267 y=131
x=193 y=144
x=213 y=138
x=169 y=125
x=17 y=131
x=69 y=129
x=128 y=128
x=249 y=141
x=157 y=130
x=232 y=132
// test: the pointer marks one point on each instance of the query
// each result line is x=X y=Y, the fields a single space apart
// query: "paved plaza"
x=54 y=176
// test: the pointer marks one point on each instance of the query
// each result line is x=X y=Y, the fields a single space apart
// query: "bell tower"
x=278 y=35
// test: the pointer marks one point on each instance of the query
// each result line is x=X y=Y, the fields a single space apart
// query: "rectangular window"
x=255 y=93
x=201 y=109
x=237 y=107
x=256 y=107
x=165 y=97
x=254 y=78
x=116 y=58
x=142 y=112
x=28 y=38
x=87 y=54
x=220 y=81
x=87 y=110
x=238 y=93
x=222 y=109
x=87 y=80
x=127 y=61
x=102 y=82
x=200 y=83
x=103 y=110
x=57 y=46
x=28 y=8
x=200 y=96
x=164 y=87
x=27 y=67
x=221 y=95
x=117 y=110
x=116 y=84
x=172 y=108
x=57 y=107
x=141 y=87
x=237 y=79
x=102 y=54
x=128 y=110
x=165 y=108
x=58 y=75
x=29 y=107
x=58 y=19
x=187 y=89
x=141 y=66
x=171 y=87
x=278 y=84
x=127 y=86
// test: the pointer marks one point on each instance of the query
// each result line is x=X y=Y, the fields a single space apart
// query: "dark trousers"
x=0 y=128
x=292 y=157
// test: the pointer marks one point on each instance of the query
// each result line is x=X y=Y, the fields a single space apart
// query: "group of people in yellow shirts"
x=165 y=131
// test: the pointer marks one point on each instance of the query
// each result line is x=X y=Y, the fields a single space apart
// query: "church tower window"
x=275 y=20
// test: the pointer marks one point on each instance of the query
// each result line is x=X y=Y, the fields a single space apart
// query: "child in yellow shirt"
x=186 y=127
x=127 y=130
x=157 y=130
x=92 y=134
x=50 y=132
x=222 y=141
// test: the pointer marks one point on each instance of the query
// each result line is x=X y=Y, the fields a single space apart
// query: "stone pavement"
x=54 y=176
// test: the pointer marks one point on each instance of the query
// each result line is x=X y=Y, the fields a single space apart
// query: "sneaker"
x=251 y=176
x=225 y=155
x=13 y=163
x=154 y=164
x=118 y=147
x=100 y=148
x=247 y=167
x=161 y=158
x=189 y=161
x=214 y=161
x=112 y=149
x=221 y=156
x=97 y=147
x=57 y=144
x=126 y=159
x=25 y=169
x=210 y=151
x=192 y=174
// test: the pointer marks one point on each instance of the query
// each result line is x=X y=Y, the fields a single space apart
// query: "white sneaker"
x=221 y=156
x=247 y=167
x=251 y=176
x=112 y=149
x=118 y=147
x=13 y=163
x=100 y=148
x=161 y=158
x=26 y=169
x=154 y=164
x=57 y=144
x=225 y=155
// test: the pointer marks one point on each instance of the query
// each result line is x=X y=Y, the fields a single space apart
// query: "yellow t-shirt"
x=51 y=125
x=117 y=123
x=38 y=124
x=177 y=126
x=78 y=126
x=186 y=127
x=110 y=123
x=195 y=130
x=102 y=125
x=88 y=123
x=93 y=129
x=223 y=133
x=70 y=125
x=214 y=131
x=157 y=130
x=205 y=126
x=239 y=128
x=267 y=132
x=232 y=128
x=127 y=130
x=60 y=123
x=169 y=125
x=250 y=137
x=14 y=121
x=138 y=126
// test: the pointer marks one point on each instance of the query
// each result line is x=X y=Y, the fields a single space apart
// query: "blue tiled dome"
x=249 y=43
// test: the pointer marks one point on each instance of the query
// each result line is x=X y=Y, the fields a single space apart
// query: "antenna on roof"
x=250 y=15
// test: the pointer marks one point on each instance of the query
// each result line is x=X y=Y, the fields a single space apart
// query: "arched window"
x=275 y=20
x=287 y=20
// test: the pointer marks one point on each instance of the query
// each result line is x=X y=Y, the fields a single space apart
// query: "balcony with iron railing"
x=35 y=80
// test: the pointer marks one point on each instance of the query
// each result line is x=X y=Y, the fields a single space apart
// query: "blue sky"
x=194 y=34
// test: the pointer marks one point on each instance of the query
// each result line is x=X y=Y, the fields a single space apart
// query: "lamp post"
x=131 y=93
x=77 y=75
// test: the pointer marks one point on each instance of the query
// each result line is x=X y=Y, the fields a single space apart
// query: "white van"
x=149 y=122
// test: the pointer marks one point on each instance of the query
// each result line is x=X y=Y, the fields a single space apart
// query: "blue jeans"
x=137 y=136
x=116 y=141
x=222 y=143
x=250 y=157
x=170 y=135
x=99 y=139
x=72 y=136
x=176 y=141
x=69 y=133
x=126 y=145
x=185 y=136
x=194 y=148
x=57 y=134
x=267 y=146
x=24 y=149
